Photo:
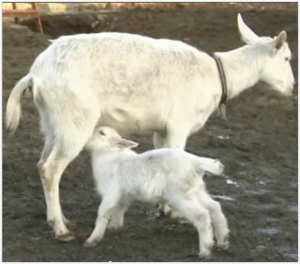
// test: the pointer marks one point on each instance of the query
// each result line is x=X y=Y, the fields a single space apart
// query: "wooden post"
x=34 y=12
x=37 y=19
x=15 y=7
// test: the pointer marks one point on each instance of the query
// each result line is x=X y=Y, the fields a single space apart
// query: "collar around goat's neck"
x=222 y=104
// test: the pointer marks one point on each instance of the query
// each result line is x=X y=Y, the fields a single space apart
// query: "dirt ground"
x=258 y=145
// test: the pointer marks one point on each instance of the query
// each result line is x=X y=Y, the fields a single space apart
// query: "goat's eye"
x=287 y=59
x=102 y=133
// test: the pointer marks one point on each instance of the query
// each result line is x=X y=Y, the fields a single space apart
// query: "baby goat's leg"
x=117 y=218
x=173 y=138
x=107 y=209
x=192 y=210
x=219 y=221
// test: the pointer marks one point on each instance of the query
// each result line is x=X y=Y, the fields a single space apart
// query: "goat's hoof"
x=50 y=223
x=66 y=237
x=90 y=243
x=67 y=222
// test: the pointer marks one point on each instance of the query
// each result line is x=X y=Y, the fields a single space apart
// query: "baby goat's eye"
x=287 y=59
x=102 y=133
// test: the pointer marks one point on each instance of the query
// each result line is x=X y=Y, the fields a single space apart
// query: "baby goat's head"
x=106 y=139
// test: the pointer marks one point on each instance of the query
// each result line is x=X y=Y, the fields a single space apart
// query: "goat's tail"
x=213 y=166
x=13 y=107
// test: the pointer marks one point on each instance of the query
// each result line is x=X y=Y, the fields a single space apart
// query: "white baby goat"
x=162 y=175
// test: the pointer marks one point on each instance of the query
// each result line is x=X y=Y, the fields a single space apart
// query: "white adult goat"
x=161 y=175
x=134 y=84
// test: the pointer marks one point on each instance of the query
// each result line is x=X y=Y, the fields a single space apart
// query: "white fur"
x=170 y=176
x=134 y=84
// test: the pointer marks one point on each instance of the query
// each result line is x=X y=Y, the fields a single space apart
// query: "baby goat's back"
x=151 y=175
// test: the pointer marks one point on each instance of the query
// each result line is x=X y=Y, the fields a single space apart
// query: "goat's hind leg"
x=68 y=123
x=192 y=210
x=65 y=149
x=51 y=172
x=44 y=156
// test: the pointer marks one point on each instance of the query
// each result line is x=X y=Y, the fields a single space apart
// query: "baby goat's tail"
x=213 y=166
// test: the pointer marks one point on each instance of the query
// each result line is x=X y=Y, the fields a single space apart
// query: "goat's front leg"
x=173 y=138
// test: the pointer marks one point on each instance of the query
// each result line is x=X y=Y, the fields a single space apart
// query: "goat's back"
x=136 y=83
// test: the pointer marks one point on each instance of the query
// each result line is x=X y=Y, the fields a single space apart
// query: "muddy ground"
x=258 y=144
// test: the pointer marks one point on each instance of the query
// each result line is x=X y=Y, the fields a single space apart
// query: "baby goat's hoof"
x=66 y=237
x=223 y=244
x=164 y=210
x=181 y=221
x=167 y=213
x=206 y=255
x=114 y=226
x=90 y=243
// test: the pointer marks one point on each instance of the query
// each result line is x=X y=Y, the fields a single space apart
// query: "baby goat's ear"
x=124 y=143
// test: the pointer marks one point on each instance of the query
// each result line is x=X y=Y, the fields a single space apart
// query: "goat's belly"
x=128 y=119
x=146 y=193
x=144 y=198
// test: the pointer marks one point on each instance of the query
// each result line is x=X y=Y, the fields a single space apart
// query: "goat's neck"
x=242 y=68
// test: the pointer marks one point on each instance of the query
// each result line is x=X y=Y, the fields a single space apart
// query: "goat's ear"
x=247 y=34
x=124 y=143
x=278 y=42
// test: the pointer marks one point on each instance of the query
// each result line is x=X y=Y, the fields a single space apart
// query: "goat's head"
x=276 y=71
x=106 y=139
